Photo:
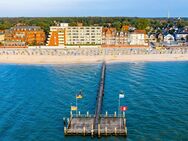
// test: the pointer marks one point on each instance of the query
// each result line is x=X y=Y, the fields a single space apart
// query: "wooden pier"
x=100 y=97
x=97 y=124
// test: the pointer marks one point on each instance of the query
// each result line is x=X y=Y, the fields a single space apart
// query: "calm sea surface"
x=35 y=98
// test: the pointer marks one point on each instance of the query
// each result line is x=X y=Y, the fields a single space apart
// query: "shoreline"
x=47 y=59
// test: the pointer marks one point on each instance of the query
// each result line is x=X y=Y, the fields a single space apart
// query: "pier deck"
x=77 y=125
x=108 y=126
x=97 y=125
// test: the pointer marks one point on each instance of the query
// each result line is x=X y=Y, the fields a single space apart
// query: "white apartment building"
x=84 y=35
x=138 y=37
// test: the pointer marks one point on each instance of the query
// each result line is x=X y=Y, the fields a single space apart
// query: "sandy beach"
x=47 y=59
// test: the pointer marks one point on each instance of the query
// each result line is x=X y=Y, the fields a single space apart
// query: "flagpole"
x=119 y=107
x=76 y=106
x=120 y=112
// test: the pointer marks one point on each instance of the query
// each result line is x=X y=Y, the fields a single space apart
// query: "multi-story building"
x=65 y=35
x=57 y=36
x=2 y=37
x=108 y=36
x=30 y=35
x=84 y=35
x=111 y=37
x=138 y=37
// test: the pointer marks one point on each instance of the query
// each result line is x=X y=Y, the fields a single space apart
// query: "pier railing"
x=101 y=115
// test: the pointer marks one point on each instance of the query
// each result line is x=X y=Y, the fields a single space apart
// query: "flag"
x=73 y=108
x=123 y=108
x=79 y=96
x=121 y=95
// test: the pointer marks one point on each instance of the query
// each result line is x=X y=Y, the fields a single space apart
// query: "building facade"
x=169 y=38
x=108 y=36
x=30 y=35
x=14 y=44
x=65 y=35
x=2 y=37
x=138 y=37
x=182 y=36
x=111 y=37
x=153 y=38
x=57 y=35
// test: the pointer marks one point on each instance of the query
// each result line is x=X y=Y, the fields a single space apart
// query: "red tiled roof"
x=108 y=29
x=140 y=32
x=125 y=27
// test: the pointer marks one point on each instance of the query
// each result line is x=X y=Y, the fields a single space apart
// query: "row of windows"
x=84 y=28
x=83 y=36
x=83 y=40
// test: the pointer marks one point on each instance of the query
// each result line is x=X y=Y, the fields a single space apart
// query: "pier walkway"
x=100 y=96
x=97 y=124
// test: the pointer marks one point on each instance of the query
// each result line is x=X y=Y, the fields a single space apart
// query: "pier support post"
x=114 y=114
x=106 y=114
x=99 y=131
x=84 y=130
x=106 y=131
x=79 y=113
x=124 y=122
x=65 y=130
x=125 y=131
x=115 y=131
x=65 y=126
x=64 y=122
x=70 y=114
x=92 y=131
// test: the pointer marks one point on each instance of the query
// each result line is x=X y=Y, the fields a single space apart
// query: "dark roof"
x=183 y=33
x=26 y=28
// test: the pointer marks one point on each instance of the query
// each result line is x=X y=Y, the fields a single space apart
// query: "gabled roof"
x=139 y=32
x=108 y=30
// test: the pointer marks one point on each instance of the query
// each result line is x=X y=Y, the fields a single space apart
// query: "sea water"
x=35 y=98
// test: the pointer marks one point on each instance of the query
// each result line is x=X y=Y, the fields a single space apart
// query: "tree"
x=125 y=22
x=172 y=31
x=5 y=24
x=117 y=25
x=142 y=23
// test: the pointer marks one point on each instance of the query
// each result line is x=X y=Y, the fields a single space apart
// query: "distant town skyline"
x=127 y=8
